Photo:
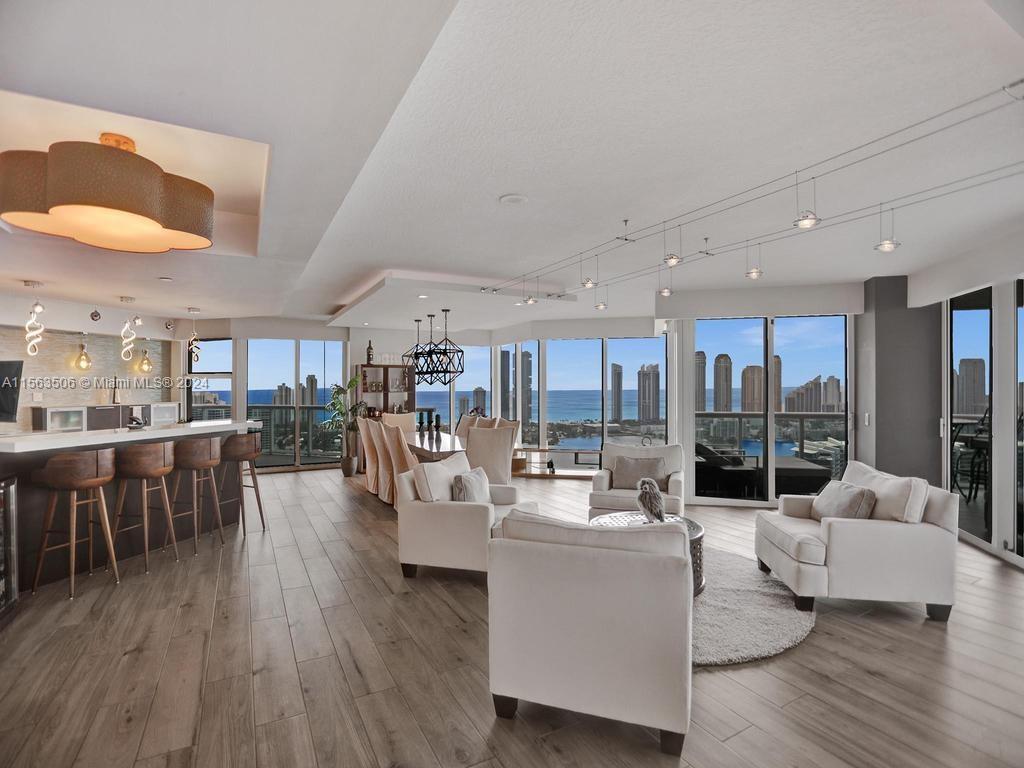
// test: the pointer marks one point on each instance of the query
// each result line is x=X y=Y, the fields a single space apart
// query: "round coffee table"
x=695 y=530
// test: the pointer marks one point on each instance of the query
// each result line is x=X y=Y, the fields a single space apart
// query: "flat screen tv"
x=10 y=388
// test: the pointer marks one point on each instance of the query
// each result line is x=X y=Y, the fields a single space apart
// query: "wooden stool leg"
x=241 y=497
x=51 y=507
x=73 y=534
x=256 y=487
x=122 y=489
x=195 y=509
x=216 y=508
x=170 y=520
x=105 y=527
x=145 y=521
x=89 y=522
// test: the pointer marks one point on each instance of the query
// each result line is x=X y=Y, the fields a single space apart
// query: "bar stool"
x=80 y=472
x=243 y=449
x=198 y=456
x=145 y=462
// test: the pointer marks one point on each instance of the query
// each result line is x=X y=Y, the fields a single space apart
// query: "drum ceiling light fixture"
x=104 y=195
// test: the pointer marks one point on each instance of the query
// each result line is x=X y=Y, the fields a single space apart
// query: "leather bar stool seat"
x=84 y=472
x=243 y=450
x=149 y=463
x=198 y=456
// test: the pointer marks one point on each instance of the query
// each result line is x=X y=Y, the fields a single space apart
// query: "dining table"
x=430 y=445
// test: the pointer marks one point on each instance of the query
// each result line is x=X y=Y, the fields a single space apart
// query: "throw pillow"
x=628 y=471
x=434 y=479
x=839 y=499
x=896 y=498
x=472 y=486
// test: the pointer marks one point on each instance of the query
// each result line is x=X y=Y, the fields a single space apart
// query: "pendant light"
x=83 y=362
x=806 y=218
x=449 y=355
x=754 y=271
x=671 y=259
x=127 y=340
x=665 y=290
x=601 y=305
x=531 y=299
x=416 y=356
x=145 y=364
x=34 y=329
x=193 y=339
x=890 y=243
x=586 y=282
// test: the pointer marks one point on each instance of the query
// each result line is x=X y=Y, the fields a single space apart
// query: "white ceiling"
x=596 y=111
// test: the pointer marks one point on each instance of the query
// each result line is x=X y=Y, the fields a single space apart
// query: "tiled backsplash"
x=56 y=358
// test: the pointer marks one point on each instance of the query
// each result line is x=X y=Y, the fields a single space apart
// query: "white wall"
x=999 y=261
x=73 y=316
x=757 y=300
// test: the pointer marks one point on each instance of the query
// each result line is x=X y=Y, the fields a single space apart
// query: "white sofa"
x=912 y=559
x=604 y=498
x=593 y=620
x=446 y=533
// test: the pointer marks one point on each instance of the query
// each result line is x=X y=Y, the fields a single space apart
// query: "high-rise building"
x=648 y=394
x=616 y=392
x=806 y=398
x=832 y=395
x=723 y=383
x=480 y=399
x=752 y=389
x=463 y=404
x=700 y=382
x=526 y=361
x=777 y=382
x=508 y=395
x=309 y=392
x=283 y=395
x=971 y=397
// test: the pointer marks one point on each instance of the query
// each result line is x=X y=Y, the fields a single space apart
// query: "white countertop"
x=27 y=442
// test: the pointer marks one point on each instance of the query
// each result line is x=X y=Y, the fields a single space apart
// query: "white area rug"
x=743 y=614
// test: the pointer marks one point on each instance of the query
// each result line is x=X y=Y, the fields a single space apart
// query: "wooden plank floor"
x=304 y=646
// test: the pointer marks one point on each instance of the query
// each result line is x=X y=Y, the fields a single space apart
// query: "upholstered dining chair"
x=404 y=421
x=491 y=448
x=370 y=454
x=464 y=424
x=402 y=458
x=385 y=469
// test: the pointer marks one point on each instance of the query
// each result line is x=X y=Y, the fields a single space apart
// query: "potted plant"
x=343 y=415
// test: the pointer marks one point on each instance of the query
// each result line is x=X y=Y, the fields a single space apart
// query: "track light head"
x=888 y=245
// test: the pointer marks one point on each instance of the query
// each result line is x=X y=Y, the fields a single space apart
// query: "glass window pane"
x=574 y=402
x=435 y=397
x=271 y=398
x=808 y=395
x=473 y=387
x=636 y=400
x=214 y=357
x=319 y=369
x=729 y=438
x=211 y=398
x=970 y=408
x=508 y=381
x=530 y=359
x=1019 y=527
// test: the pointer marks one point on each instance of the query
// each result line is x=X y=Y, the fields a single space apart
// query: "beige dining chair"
x=404 y=421
x=370 y=454
x=385 y=469
x=402 y=458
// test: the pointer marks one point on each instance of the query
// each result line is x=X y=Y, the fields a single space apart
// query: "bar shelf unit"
x=384 y=387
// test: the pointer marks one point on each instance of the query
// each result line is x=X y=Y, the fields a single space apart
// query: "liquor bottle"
x=369 y=353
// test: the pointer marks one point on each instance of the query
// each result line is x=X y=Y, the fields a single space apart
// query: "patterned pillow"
x=471 y=486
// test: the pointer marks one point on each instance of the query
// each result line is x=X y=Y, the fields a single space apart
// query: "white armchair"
x=605 y=497
x=444 y=533
x=912 y=559
x=593 y=620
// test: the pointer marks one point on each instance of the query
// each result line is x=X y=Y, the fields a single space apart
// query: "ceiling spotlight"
x=166 y=279
x=665 y=291
x=423 y=296
x=494 y=290
x=192 y=310
x=755 y=273
x=588 y=283
x=483 y=290
x=136 y=320
x=890 y=243
x=38 y=308
x=127 y=299
x=365 y=323
x=95 y=315
x=601 y=305
x=530 y=300
x=672 y=259
x=518 y=304
x=512 y=198
x=887 y=246
x=806 y=220
x=169 y=325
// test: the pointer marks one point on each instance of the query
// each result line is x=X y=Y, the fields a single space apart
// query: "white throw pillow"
x=434 y=479
x=472 y=486
x=896 y=498
x=656 y=538
x=839 y=499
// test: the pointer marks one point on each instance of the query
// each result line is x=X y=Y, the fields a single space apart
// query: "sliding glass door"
x=636 y=400
x=731 y=416
x=970 y=407
x=320 y=368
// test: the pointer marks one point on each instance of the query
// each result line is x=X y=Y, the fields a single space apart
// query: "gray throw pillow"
x=472 y=486
x=839 y=499
x=628 y=472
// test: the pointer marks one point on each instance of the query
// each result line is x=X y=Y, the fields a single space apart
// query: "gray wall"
x=899 y=382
